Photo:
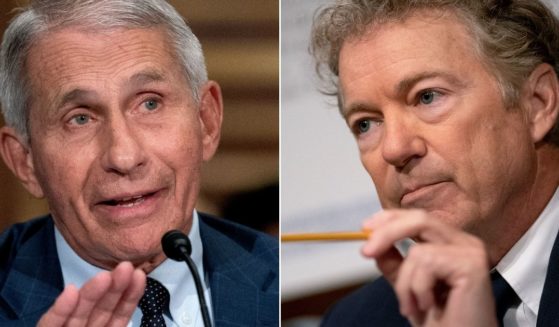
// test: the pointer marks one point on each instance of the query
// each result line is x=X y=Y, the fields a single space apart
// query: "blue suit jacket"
x=242 y=266
x=376 y=304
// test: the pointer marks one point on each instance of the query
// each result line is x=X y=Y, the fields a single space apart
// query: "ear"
x=540 y=101
x=211 y=116
x=17 y=156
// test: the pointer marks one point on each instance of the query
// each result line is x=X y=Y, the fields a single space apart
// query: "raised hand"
x=108 y=299
x=444 y=279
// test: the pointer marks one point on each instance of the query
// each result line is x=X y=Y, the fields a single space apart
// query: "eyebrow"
x=138 y=79
x=403 y=87
x=406 y=84
x=142 y=79
x=358 y=107
x=146 y=77
x=76 y=95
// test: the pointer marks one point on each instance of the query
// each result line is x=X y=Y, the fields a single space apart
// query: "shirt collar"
x=524 y=267
x=175 y=276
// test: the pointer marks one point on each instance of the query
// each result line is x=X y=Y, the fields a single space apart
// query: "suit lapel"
x=35 y=278
x=241 y=286
x=548 y=313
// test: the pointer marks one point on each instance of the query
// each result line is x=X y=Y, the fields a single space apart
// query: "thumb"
x=389 y=263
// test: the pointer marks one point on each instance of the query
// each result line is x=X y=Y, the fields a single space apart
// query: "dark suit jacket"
x=242 y=266
x=376 y=304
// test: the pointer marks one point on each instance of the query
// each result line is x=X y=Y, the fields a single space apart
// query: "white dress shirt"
x=175 y=276
x=524 y=267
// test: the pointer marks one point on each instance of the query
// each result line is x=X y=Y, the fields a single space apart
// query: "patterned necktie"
x=153 y=303
x=505 y=296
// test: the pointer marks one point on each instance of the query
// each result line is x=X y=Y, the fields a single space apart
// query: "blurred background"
x=240 y=41
x=323 y=185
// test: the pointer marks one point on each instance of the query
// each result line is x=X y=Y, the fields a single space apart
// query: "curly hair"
x=512 y=37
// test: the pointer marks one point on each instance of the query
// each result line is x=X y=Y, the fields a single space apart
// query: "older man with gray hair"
x=109 y=116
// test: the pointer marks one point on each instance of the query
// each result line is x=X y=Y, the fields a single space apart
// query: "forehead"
x=68 y=56
x=422 y=42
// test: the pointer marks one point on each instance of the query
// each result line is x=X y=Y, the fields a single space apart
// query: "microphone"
x=176 y=246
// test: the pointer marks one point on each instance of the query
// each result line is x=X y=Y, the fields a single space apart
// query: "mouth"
x=127 y=201
x=130 y=207
x=416 y=195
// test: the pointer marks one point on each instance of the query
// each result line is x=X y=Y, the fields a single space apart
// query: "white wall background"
x=323 y=185
x=553 y=4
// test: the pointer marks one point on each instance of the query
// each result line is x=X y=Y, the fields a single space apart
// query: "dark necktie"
x=153 y=303
x=505 y=297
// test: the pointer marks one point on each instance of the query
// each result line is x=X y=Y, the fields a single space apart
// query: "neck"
x=525 y=209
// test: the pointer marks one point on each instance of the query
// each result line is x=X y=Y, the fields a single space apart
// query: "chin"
x=451 y=217
x=138 y=247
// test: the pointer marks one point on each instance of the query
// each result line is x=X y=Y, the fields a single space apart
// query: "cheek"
x=380 y=173
x=180 y=150
x=62 y=170
x=179 y=147
x=372 y=164
x=52 y=169
x=496 y=158
x=58 y=183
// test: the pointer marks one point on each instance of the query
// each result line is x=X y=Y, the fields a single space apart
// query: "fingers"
x=389 y=227
x=437 y=276
x=129 y=300
x=389 y=263
x=417 y=277
x=90 y=294
x=392 y=226
x=108 y=299
x=62 y=308
x=444 y=273
x=103 y=309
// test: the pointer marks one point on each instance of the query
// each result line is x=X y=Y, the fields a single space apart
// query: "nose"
x=402 y=141
x=123 y=152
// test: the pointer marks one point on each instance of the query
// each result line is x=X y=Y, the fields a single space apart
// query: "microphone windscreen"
x=174 y=242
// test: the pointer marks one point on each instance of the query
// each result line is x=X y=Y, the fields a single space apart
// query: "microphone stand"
x=176 y=246
x=199 y=289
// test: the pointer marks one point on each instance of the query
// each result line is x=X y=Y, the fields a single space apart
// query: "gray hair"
x=42 y=16
x=512 y=37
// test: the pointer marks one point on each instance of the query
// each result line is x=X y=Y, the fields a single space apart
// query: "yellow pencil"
x=335 y=236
